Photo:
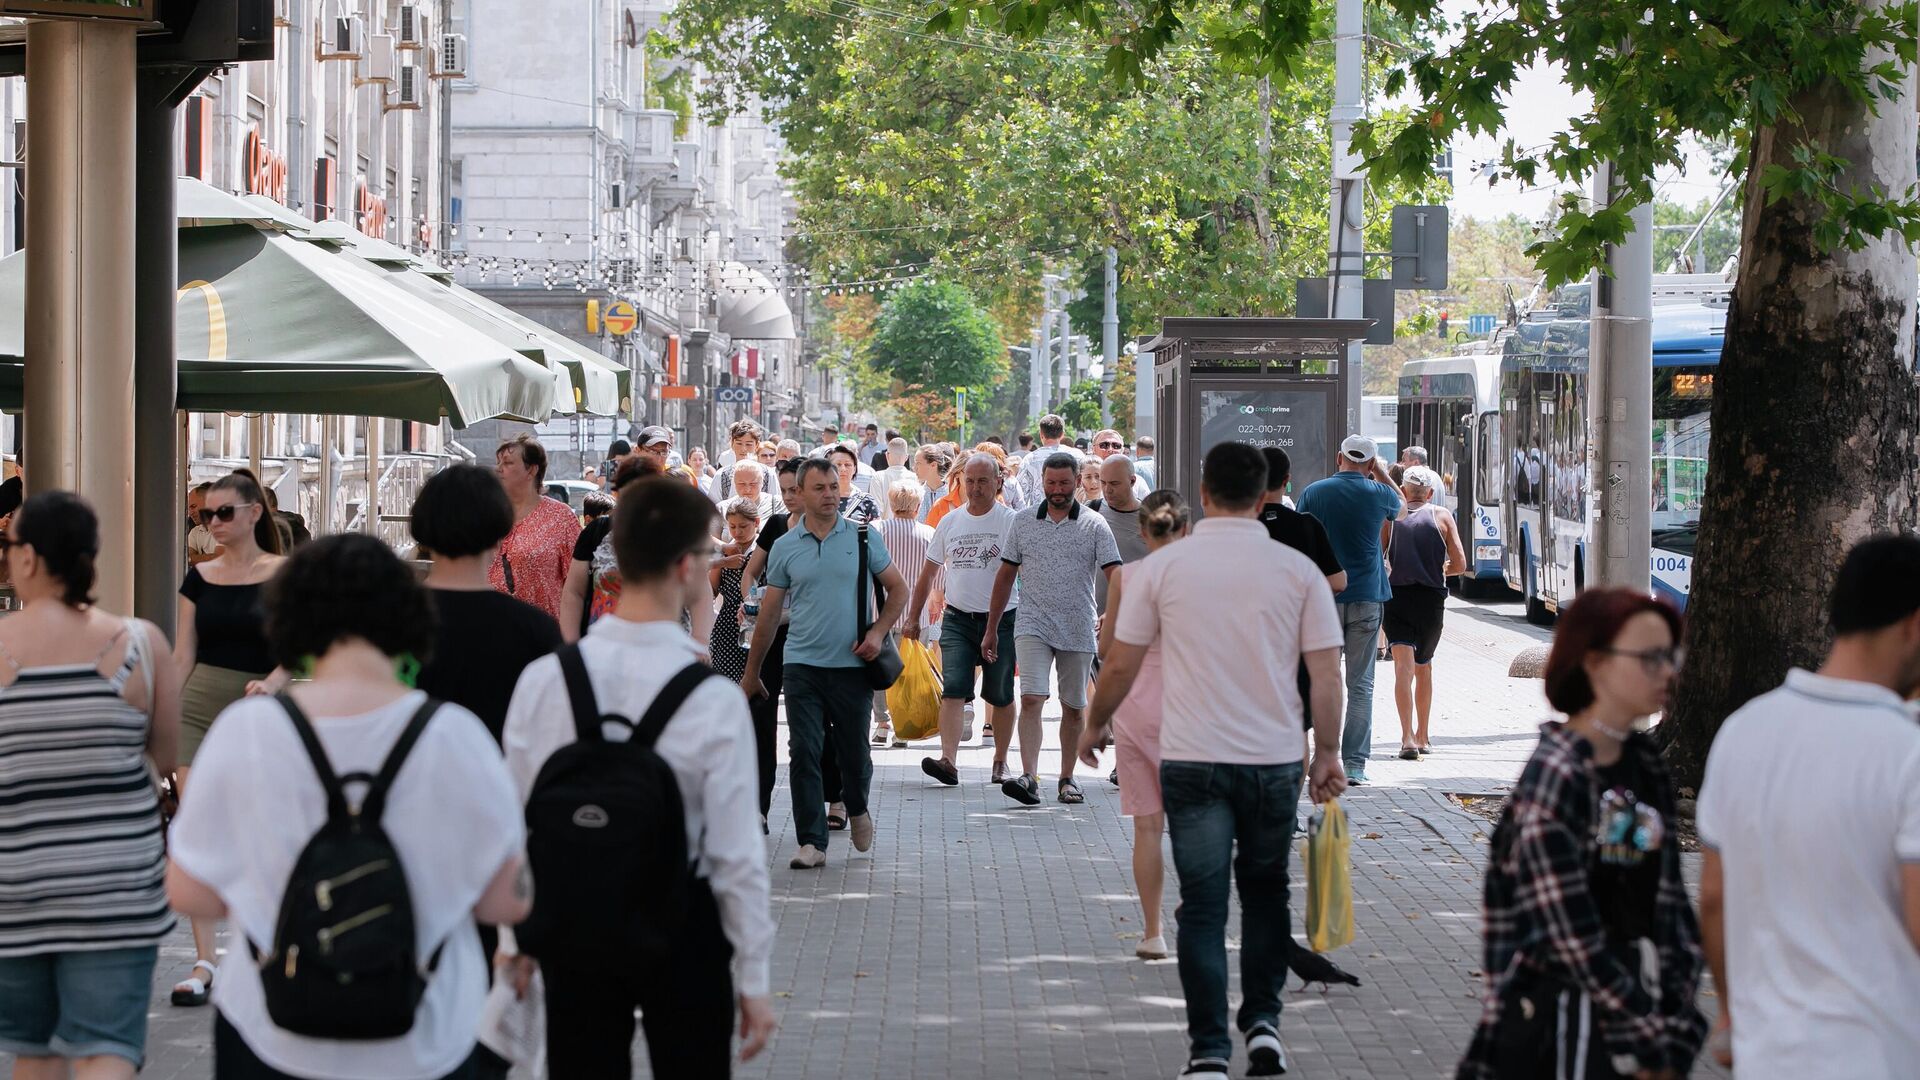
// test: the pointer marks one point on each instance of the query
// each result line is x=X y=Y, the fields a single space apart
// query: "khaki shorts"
x=1037 y=659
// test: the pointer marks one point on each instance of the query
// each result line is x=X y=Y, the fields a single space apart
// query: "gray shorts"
x=1037 y=659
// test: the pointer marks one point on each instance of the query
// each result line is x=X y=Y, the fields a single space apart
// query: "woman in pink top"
x=1164 y=518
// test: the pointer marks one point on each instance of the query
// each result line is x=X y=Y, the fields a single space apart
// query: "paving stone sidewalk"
x=983 y=938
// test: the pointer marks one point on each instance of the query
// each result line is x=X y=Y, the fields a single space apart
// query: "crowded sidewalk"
x=997 y=939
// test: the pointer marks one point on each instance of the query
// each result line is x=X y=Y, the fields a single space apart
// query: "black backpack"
x=607 y=836
x=343 y=964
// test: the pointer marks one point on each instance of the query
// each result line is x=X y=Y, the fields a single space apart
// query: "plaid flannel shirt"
x=1542 y=920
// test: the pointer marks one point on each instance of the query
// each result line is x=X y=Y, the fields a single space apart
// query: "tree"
x=1082 y=408
x=1816 y=408
x=931 y=337
x=1718 y=241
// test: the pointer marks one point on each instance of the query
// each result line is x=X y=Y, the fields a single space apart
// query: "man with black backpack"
x=638 y=768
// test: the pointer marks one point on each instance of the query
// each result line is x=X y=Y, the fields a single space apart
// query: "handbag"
x=883 y=670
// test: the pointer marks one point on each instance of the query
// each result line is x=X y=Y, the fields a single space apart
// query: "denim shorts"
x=960 y=634
x=77 y=1004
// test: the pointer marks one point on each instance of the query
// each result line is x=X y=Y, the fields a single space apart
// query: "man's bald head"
x=1116 y=482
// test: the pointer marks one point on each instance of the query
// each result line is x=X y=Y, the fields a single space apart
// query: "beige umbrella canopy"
x=750 y=306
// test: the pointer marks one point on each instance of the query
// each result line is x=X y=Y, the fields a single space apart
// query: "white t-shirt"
x=452 y=815
x=970 y=548
x=1812 y=799
x=708 y=744
x=201 y=542
x=884 y=480
x=1231 y=654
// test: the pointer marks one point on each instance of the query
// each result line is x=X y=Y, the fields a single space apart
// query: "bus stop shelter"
x=1268 y=382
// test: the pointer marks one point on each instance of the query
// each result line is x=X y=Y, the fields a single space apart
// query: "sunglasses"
x=224 y=513
x=1112 y=446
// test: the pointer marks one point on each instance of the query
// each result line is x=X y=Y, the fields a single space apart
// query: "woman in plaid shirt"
x=1592 y=951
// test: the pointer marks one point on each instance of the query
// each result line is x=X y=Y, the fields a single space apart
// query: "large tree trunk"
x=1815 y=413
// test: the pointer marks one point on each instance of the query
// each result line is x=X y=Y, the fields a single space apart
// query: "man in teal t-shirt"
x=1356 y=505
x=813 y=572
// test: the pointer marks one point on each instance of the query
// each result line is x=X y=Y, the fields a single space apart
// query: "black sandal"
x=1071 y=794
x=836 y=819
x=193 y=991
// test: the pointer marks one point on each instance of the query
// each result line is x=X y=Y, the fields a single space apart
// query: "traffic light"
x=1443 y=326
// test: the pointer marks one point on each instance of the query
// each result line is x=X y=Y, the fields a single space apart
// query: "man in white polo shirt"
x=1810 y=814
x=1231 y=741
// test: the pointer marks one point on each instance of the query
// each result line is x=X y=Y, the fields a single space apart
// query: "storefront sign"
x=129 y=10
x=266 y=170
x=621 y=318
x=370 y=212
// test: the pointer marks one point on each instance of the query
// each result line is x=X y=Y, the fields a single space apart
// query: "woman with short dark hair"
x=1592 y=950
x=84 y=698
x=220 y=647
x=484 y=638
x=349 y=612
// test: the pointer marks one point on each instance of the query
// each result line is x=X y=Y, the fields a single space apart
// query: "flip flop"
x=193 y=992
x=1071 y=794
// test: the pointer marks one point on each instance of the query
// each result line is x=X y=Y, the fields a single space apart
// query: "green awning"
x=270 y=323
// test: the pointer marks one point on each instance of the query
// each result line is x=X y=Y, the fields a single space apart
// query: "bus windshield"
x=1682 y=397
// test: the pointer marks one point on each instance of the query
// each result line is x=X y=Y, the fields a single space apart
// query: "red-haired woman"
x=1592 y=951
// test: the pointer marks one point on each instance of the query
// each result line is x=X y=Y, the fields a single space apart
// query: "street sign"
x=1481 y=325
x=133 y=10
x=679 y=393
x=620 y=318
x=1419 y=247
x=733 y=395
x=1310 y=302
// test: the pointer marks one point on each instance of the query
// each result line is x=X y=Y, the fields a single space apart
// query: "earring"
x=407 y=670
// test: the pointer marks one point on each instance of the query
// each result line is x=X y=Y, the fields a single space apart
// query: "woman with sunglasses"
x=81 y=707
x=221 y=647
x=1592 y=952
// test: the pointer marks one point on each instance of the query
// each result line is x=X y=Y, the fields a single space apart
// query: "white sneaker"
x=862 y=826
x=966 y=722
x=1154 y=948
x=808 y=858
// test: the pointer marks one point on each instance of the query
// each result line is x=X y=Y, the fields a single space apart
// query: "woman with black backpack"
x=352 y=830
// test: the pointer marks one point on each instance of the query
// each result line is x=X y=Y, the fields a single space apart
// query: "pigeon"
x=1315 y=968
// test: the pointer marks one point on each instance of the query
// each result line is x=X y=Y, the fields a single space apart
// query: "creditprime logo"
x=1265 y=431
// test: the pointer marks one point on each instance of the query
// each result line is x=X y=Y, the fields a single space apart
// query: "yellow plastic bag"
x=914 y=700
x=1329 y=879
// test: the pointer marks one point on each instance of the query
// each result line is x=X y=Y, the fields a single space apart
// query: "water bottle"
x=751 y=607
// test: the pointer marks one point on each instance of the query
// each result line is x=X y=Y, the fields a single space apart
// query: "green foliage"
x=933 y=336
x=672 y=89
x=1082 y=407
x=1719 y=239
x=974 y=158
x=1712 y=69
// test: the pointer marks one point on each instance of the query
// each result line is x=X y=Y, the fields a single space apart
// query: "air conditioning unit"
x=409 y=88
x=345 y=39
x=453 y=57
x=410 y=33
x=379 y=63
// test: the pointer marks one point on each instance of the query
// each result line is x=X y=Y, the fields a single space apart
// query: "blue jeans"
x=1361 y=624
x=77 y=1004
x=822 y=704
x=1209 y=808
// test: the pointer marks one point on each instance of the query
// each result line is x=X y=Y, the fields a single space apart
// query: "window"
x=1488 y=494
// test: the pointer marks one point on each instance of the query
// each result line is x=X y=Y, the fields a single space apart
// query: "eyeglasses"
x=1653 y=661
x=225 y=513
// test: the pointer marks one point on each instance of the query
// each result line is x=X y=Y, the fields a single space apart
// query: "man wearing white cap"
x=1358 y=507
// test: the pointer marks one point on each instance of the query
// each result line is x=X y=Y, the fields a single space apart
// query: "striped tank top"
x=82 y=862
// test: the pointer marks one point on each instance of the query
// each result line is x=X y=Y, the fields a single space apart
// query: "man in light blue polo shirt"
x=814 y=573
x=1357 y=505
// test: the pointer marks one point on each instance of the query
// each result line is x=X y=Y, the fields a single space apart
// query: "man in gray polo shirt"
x=1056 y=552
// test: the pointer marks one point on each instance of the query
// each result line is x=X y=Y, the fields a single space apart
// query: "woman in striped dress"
x=82 y=863
x=906 y=539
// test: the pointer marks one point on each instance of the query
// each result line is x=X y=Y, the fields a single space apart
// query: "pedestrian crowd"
x=544 y=769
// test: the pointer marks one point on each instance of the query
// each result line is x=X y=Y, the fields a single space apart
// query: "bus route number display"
x=1292 y=420
x=1690 y=385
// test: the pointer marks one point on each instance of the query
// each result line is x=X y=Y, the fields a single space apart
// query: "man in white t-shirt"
x=1053 y=433
x=1810 y=814
x=897 y=470
x=1231 y=740
x=662 y=541
x=968 y=543
x=743 y=447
